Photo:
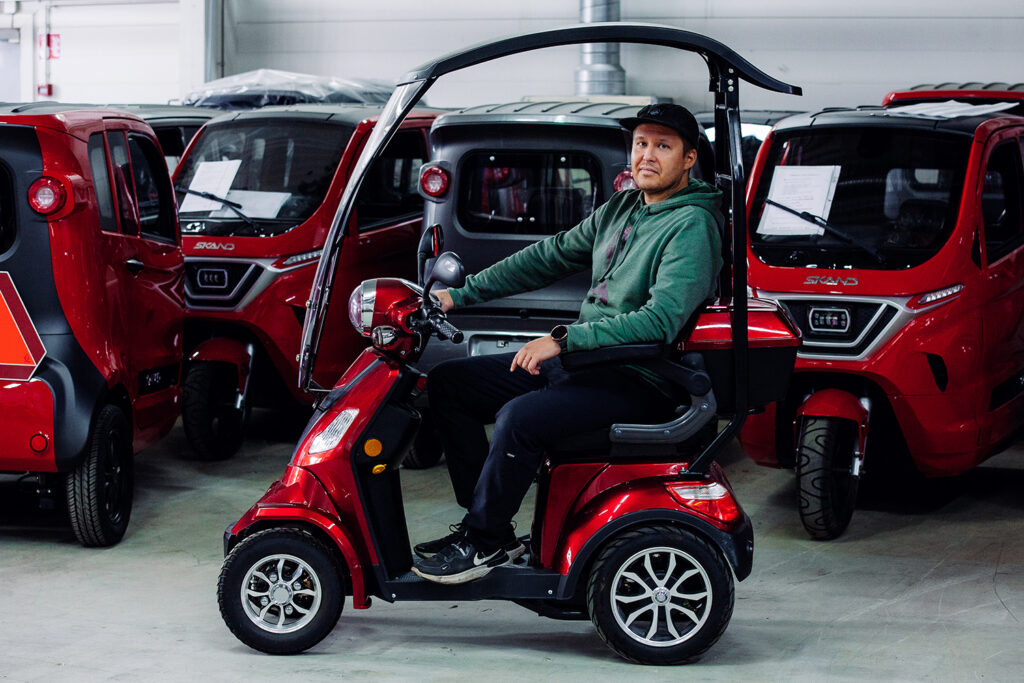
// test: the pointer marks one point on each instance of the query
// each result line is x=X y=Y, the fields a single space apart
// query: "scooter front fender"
x=839 y=404
x=226 y=350
x=299 y=500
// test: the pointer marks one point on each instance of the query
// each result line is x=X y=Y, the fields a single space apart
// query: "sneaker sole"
x=461 y=577
x=516 y=553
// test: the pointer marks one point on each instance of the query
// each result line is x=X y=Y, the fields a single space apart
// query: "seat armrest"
x=614 y=355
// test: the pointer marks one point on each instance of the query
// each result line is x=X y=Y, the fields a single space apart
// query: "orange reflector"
x=373 y=447
x=377 y=469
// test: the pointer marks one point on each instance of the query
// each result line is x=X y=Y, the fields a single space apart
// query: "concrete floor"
x=912 y=591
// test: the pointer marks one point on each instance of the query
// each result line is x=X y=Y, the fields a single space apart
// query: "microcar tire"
x=427 y=449
x=825 y=482
x=99 y=490
x=660 y=595
x=214 y=427
x=255 y=599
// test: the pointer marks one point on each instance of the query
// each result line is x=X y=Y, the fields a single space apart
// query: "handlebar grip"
x=447 y=331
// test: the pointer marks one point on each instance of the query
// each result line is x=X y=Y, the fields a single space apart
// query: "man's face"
x=659 y=165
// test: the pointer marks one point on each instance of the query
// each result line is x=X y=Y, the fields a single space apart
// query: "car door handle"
x=134 y=266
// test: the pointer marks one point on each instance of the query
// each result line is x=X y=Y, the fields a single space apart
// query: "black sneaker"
x=459 y=562
x=428 y=548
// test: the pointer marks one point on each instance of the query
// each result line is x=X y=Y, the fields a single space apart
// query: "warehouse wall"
x=840 y=52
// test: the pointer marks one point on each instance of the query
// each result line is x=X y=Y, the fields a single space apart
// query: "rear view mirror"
x=430 y=246
x=448 y=270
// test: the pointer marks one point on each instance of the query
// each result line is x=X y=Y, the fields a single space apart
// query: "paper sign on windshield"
x=950 y=109
x=801 y=188
x=214 y=177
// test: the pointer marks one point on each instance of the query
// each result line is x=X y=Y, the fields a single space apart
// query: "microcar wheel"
x=660 y=595
x=426 y=448
x=280 y=591
x=824 y=475
x=99 y=490
x=213 y=425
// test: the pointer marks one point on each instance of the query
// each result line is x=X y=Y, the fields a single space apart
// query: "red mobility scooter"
x=635 y=527
x=907 y=281
x=91 y=306
x=257 y=191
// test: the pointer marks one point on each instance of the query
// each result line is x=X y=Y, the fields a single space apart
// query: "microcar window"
x=7 y=223
x=389 y=193
x=275 y=172
x=526 y=193
x=1001 y=202
x=890 y=197
x=101 y=183
x=152 y=190
x=122 y=183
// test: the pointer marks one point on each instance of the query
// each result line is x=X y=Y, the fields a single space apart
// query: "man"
x=655 y=253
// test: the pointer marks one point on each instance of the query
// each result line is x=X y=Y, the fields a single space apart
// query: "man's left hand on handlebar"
x=534 y=353
x=445 y=298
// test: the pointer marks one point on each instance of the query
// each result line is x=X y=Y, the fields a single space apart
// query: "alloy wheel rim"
x=661 y=596
x=281 y=593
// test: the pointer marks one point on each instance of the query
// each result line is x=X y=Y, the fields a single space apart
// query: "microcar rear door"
x=153 y=275
x=1002 y=216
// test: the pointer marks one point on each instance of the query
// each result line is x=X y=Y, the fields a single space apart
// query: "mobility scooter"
x=257 y=192
x=91 y=306
x=634 y=527
x=893 y=237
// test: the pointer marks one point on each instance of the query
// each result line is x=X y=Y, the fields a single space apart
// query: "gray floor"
x=914 y=591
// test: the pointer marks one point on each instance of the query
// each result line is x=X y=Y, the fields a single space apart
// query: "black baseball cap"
x=670 y=115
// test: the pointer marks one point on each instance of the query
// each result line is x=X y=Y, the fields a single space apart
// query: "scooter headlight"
x=360 y=307
x=331 y=436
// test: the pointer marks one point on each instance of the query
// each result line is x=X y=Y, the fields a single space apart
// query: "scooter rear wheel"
x=280 y=591
x=824 y=475
x=660 y=595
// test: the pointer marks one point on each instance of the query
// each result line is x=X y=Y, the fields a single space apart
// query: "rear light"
x=938 y=296
x=625 y=181
x=46 y=196
x=331 y=436
x=712 y=500
x=434 y=181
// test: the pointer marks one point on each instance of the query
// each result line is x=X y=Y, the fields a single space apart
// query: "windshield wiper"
x=234 y=206
x=829 y=228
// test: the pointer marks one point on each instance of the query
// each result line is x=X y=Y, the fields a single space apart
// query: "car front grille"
x=858 y=325
x=219 y=284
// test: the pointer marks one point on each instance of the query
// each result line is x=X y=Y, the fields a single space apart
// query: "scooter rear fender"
x=225 y=350
x=299 y=500
x=643 y=504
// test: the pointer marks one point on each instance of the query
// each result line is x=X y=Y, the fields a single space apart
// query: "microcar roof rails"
x=725 y=70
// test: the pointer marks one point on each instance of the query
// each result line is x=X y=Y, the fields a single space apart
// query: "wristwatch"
x=560 y=333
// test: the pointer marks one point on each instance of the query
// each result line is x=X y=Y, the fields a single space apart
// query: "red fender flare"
x=838 y=404
x=225 y=350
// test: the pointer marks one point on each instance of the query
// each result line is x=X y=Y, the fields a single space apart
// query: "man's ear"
x=690 y=158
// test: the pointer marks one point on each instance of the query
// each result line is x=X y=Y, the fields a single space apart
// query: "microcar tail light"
x=624 y=181
x=331 y=436
x=434 y=181
x=46 y=196
x=936 y=297
x=711 y=500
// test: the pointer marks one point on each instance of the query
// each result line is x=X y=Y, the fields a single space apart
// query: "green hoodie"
x=666 y=265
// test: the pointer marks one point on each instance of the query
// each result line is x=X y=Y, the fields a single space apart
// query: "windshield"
x=257 y=178
x=878 y=198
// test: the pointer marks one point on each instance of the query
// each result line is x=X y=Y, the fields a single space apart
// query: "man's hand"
x=534 y=353
x=445 y=298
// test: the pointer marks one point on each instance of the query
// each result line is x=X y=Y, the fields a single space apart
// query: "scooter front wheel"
x=824 y=474
x=660 y=595
x=280 y=591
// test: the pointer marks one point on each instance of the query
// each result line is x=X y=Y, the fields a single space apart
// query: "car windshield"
x=889 y=197
x=257 y=178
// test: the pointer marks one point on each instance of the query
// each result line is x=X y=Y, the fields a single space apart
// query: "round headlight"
x=360 y=307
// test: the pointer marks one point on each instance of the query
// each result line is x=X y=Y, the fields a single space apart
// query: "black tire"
x=99 y=491
x=215 y=428
x=708 y=595
x=824 y=473
x=292 y=550
x=427 y=448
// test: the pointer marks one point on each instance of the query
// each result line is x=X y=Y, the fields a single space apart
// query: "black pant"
x=529 y=413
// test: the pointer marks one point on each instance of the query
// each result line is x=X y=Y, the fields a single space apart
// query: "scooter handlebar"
x=446 y=330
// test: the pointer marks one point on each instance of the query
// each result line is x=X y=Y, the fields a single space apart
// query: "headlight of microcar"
x=360 y=307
